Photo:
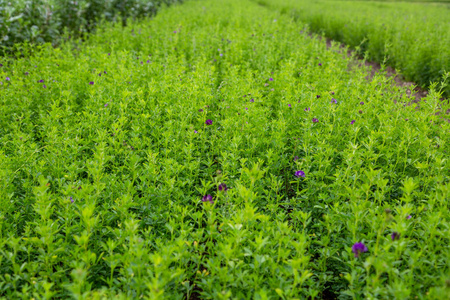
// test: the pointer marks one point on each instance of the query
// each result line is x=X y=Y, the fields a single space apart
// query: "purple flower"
x=408 y=217
x=352 y=122
x=7 y=79
x=208 y=122
x=44 y=86
x=362 y=103
x=200 y=110
x=395 y=236
x=221 y=54
x=26 y=73
x=195 y=131
x=223 y=187
x=320 y=64
x=299 y=174
x=358 y=248
x=105 y=72
x=270 y=79
x=91 y=83
x=307 y=109
x=315 y=120
x=148 y=61
x=207 y=198
x=332 y=93
x=252 y=100
x=406 y=119
x=246 y=108
x=333 y=101
x=295 y=158
x=106 y=104
x=109 y=54
x=174 y=32
x=1 y=65
x=318 y=96
x=71 y=200
x=289 y=105
x=99 y=74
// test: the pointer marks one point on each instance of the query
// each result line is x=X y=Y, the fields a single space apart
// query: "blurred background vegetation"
x=40 y=21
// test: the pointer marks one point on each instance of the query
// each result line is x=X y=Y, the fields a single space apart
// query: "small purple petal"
x=359 y=248
x=395 y=236
x=352 y=122
x=299 y=174
x=208 y=122
x=91 y=83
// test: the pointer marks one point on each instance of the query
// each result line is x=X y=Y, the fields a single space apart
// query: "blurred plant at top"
x=41 y=21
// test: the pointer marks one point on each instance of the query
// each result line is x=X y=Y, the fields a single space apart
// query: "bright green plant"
x=217 y=152
x=412 y=37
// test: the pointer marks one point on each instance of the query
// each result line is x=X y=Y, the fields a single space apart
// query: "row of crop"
x=39 y=21
x=413 y=38
x=217 y=152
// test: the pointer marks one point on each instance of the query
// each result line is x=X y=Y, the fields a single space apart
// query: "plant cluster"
x=217 y=152
x=40 y=21
x=412 y=37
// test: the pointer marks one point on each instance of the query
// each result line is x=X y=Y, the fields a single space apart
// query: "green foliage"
x=412 y=37
x=102 y=184
x=39 y=21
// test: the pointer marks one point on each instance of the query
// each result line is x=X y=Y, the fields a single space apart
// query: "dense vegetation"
x=412 y=37
x=217 y=152
x=39 y=21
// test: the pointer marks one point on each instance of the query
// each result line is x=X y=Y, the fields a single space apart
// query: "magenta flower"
x=289 y=105
x=270 y=79
x=315 y=120
x=408 y=217
x=195 y=131
x=91 y=83
x=299 y=174
x=208 y=122
x=352 y=122
x=208 y=198
x=320 y=64
x=395 y=236
x=359 y=248
x=106 y=104
x=333 y=101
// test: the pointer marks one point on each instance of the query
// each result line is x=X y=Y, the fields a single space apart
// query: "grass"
x=106 y=156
